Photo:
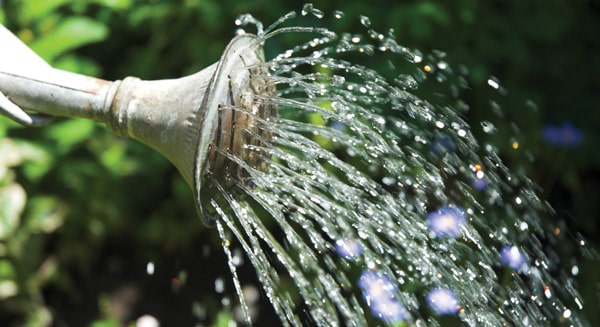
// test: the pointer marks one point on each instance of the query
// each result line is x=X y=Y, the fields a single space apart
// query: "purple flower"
x=443 y=301
x=389 y=310
x=447 y=221
x=512 y=257
x=565 y=135
x=376 y=286
x=479 y=184
x=348 y=248
x=380 y=293
x=441 y=145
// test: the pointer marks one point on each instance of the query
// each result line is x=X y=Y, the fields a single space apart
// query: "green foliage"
x=68 y=33
x=82 y=211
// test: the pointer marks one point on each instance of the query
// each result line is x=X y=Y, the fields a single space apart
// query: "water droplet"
x=575 y=270
x=479 y=174
x=150 y=268
x=309 y=8
x=488 y=127
x=219 y=285
x=442 y=65
x=337 y=80
x=365 y=21
x=147 y=321
x=406 y=81
x=493 y=82
x=338 y=14
x=248 y=19
x=523 y=226
x=547 y=292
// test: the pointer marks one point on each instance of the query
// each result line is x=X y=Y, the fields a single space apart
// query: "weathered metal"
x=195 y=121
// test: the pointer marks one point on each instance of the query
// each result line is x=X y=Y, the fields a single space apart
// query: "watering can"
x=198 y=122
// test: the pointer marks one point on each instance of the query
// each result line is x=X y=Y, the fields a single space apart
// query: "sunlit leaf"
x=115 y=4
x=8 y=288
x=45 y=214
x=17 y=152
x=7 y=269
x=40 y=316
x=12 y=203
x=224 y=319
x=109 y=322
x=70 y=33
x=11 y=155
x=34 y=9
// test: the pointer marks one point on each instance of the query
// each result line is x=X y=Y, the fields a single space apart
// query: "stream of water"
x=379 y=206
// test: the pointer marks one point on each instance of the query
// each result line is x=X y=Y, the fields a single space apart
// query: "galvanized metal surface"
x=192 y=120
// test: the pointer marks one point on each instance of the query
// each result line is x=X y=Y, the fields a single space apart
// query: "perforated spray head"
x=206 y=124
x=237 y=102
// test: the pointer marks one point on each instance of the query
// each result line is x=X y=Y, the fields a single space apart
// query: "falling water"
x=378 y=205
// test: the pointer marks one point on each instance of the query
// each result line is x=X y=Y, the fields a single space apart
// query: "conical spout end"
x=208 y=124
x=235 y=107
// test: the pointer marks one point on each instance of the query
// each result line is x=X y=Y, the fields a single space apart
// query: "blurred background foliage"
x=96 y=230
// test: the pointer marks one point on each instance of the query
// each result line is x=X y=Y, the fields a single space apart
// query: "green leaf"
x=45 y=214
x=39 y=316
x=7 y=269
x=224 y=319
x=70 y=33
x=78 y=64
x=12 y=203
x=35 y=160
x=108 y=322
x=34 y=9
x=69 y=133
x=115 y=4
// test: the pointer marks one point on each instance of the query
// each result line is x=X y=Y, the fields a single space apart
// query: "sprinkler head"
x=207 y=124
x=237 y=104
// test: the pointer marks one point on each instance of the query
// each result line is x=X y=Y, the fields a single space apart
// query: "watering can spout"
x=198 y=122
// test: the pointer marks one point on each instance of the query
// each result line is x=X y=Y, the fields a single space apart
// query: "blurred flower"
x=565 y=135
x=376 y=286
x=512 y=257
x=338 y=125
x=389 y=310
x=478 y=181
x=441 y=145
x=379 y=292
x=348 y=248
x=479 y=184
x=443 y=301
x=447 y=221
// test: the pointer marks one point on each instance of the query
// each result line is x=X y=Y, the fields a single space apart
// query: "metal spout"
x=194 y=121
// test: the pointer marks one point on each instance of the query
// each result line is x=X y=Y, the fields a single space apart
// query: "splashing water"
x=378 y=204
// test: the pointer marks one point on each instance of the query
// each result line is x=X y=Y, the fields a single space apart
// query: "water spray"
x=379 y=207
x=192 y=120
